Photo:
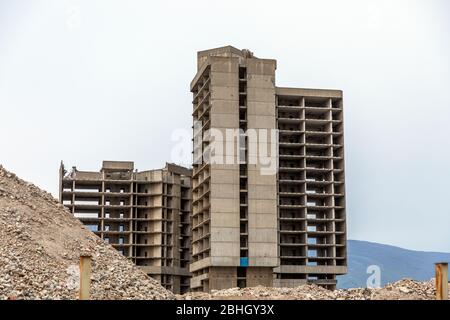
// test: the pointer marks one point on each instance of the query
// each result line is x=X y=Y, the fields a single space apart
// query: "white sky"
x=83 y=81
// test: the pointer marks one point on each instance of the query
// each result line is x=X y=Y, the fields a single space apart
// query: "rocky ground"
x=40 y=246
x=405 y=289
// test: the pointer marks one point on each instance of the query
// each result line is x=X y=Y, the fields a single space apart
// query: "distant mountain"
x=395 y=263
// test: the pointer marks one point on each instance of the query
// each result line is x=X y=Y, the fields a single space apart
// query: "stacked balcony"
x=103 y=202
x=201 y=170
x=141 y=214
x=311 y=186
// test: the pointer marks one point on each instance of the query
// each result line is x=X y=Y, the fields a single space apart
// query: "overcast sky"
x=83 y=81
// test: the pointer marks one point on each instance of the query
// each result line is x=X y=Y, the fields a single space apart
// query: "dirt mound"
x=405 y=289
x=40 y=246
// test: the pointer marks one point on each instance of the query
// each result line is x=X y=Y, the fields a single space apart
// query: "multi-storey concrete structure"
x=252 y=228
x=145 y=215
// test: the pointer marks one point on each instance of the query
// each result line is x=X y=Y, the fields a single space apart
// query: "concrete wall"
x=262 y=188
x=222 y=278
x=259 y=276
x=224 y=177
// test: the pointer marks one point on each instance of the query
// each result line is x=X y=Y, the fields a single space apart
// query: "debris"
x=40 y=246
x=405 y=289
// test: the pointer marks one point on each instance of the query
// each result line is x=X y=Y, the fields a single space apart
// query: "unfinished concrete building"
x=144 y=215
x=250 y=228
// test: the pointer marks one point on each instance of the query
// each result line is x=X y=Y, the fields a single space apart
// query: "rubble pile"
x=40 y=247
x=405 y=289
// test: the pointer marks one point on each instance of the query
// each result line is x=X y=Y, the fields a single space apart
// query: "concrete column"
x=441 y=281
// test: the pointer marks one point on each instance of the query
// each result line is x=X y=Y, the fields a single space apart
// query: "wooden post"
x=85 y=276
x=441 y=281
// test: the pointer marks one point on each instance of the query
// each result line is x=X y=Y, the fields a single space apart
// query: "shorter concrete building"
x=144 y=215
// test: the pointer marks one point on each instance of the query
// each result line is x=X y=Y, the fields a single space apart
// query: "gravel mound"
x=40 y=246
x=405 y=289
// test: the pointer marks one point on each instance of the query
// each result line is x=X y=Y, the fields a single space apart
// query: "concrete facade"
x=251 y=228
x=144 y=215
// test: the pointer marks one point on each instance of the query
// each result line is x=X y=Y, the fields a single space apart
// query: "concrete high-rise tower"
x=251 y=226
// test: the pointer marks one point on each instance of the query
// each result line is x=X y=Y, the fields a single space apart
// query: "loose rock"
x=40 y=246
x=405 y=289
